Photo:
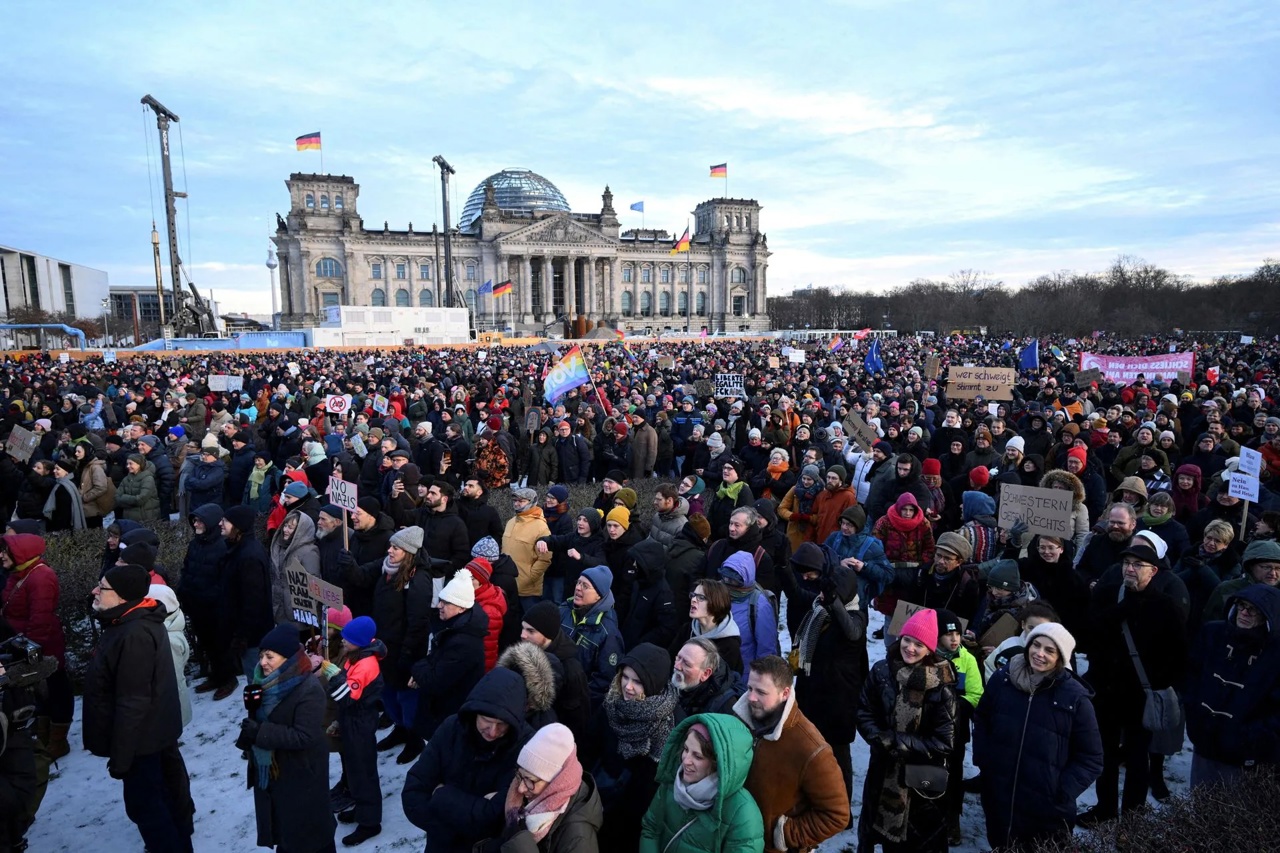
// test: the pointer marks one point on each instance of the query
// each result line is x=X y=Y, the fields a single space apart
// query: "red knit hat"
x=620 y=427
x=480 y=569
x=979 y=477
x=1079 y=453
x=923 y=626
x=494 y=423
x=931 y=467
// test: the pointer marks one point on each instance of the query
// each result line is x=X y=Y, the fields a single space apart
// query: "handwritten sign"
x=225 y=382
x=863 y=434
x=932 y=367
x=729 y=385
x=773 y=361
x=1243 y=486
x=109 y=356
x=1085 y=378
x=990 y=383
x=1046 y=512
x=343 y=494
x=666 y=362
x=21 y=444
x=1250 y=462
x=796 y=356
x=704 y=387
x=302 y=606
x=1246 y=339
x=905 y=610
x=1004 y=628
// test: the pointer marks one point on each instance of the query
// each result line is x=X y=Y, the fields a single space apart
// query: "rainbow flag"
x=569 y=373
x=309 y=142
x=835 y=344
x=621 y=334
x=682 y=245
x=503 y=289
x=721 y=171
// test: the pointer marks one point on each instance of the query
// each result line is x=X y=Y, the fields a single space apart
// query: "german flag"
x=309 y=142
x=502 y=289
x=682 y=245
x=721 y=171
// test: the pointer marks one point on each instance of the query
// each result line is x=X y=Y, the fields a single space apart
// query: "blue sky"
x=885 y=140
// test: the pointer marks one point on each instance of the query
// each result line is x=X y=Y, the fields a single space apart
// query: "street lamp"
x=106 y=319
x=272 y=264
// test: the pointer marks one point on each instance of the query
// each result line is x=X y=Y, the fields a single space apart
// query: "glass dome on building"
x=517 y=191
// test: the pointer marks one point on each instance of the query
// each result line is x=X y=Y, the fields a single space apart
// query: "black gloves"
x=248 y=734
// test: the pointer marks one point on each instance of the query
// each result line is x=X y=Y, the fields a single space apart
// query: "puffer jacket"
x=595 y=633
x=204 y=481
x=97 y=491
x=175 y=624
x=494 y=603
x=1037 y=752
x=201 y=582
x=665 y=526
x=751 y=609
x=29 y=603
x=519 y=541
x=137 y=498
x=733 y=823
x=450 y=670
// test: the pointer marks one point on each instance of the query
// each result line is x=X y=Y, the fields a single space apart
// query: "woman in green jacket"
x=137 y=498
x=701 y=805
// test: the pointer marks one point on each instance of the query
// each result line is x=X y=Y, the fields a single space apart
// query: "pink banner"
x=1125 y=369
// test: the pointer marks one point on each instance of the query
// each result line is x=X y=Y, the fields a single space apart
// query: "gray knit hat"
x=408 y=539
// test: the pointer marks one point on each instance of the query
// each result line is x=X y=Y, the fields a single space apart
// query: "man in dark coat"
x=705 y=682
x=651 y=615
x=906 y=478
x=951 y=582
x=472 y=754
x=166 y=480
x=473 y=507
x=454 y=664
x=541 y=626
x=1104 y=550
x=246 y=570
x=131 y=712
x=240 y=467
x=573 y=454
x=446 y=540
x=745 y=534
x=1145 y=595
x=200 y=588
x=368 y=547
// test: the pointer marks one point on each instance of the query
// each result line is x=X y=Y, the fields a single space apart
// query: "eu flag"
x=1030 y=356
x=873 y=363
x=638 y=207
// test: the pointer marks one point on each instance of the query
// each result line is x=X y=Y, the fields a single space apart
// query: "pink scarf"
x=540 y=814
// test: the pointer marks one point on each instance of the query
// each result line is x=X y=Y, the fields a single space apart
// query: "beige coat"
x=519 y=542
x=97 y=491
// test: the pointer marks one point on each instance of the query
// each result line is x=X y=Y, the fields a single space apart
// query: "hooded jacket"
x=733 y=823
x=595 y=632
x=651 y=616
x=886 y=490
x=97 y=491
x=204 y=481
x=541 y=681
x=751 y=610
x=445 y=792
x=201 y=582
x=980 y=526
x=452 y=667
x=31 y=593
x=493 y=602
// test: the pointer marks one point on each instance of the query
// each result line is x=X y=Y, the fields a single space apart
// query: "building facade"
x=32 y=280
x=579 y=270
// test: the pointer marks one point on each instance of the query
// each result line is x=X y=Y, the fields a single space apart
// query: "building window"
x=337 y=201
x=471 y=300
x=330 y=300
x=311 y=200
x=666 y=275
x=627 y=308
x=377 y=271
x=68 y=292
x=664 y=303
x=684 y=275
x=471 y=272
x=402 y=271
x=683 y=302
x=424 y=270
x=702 y=304
x=324 y=201
x=702 y=276
x=646 y=304
x=378 y=299
x=740 y=306
x=402 y=298
x=738 y=276
x=328 y=268
x=426 y=299
x=646 y=275
x=626 y=275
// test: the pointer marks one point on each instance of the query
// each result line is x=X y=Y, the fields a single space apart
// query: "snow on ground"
x=84 y=805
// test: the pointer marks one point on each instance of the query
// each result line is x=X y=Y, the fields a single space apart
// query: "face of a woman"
x=730 y=474
x=1185 y=482
x=907 y=511
x=694 y=766
x=698 y=603
x=632 y=688
x=134 y=467
x=1049 y=551
x=270 y=661
x=289 y=527
x=685 y=485
x=1214 y=544
x=396 y=554
x=1043 y=655
x=913 y=651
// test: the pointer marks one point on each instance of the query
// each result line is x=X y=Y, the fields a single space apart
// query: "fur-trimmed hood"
x=533 y=665
x=1057 y=478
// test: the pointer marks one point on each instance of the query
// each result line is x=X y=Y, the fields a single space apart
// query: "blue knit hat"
x=360 y=631
x=601 y=577
x=560 y=493
x=486 y=547
x=296 y=490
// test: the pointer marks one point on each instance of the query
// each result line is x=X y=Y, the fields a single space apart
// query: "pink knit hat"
x=923 y=626
x=338 y=618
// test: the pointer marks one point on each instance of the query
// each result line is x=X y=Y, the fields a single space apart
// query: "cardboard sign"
x=932 y=367
x=1250 y=462
x=225 y=382
x=704 y=388
x=1244 y=487
x=108 y=356
x=904 y=611
x=337 y=404
x=773 y=361
x=302 y=606
x=1046 y=512
x=1184 y=377
x=380 y=404
x=729 y=385
x=1085 y=378
x=21 y=444
x=343 y=494
x=993 y=408
x=294 y=369
x=64 y=357
x=666 y=362
x=990 y=383
x=323 y=592
x=862 y=433
x=796 y=356
x=1004 y=628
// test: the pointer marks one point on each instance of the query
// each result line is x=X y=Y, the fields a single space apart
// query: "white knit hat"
x=547 y=751
x=459 y=590
x=1060 y=636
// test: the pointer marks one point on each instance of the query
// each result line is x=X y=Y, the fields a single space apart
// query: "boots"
x=399 y=737
x=57 y=740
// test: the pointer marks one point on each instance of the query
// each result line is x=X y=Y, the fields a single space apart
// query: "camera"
x=24 y=662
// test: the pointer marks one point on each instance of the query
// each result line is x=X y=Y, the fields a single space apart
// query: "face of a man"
x=738 y=525
x=763 y=696
x=1137 y=574
x=1266 y=571
x=1120 y=525
x=434 y=499
x=689 y=669
x=833 y=481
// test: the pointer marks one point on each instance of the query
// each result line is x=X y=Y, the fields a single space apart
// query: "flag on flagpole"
x=309 y=141
x=720 y=171
x=682 y=245
x=873 y=363
x=569 y=373
x=1030 y=356
x=630 y=355
x=638 y=207
x=835 y=344
x=487 y=287
x=861 y=333
x=503 y=289
x=621 y=334
x=1057 y=353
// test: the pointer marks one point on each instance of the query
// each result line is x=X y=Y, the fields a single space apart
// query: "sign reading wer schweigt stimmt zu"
x=989 y=383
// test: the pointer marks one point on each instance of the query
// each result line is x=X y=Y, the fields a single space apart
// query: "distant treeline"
x=1131 y=298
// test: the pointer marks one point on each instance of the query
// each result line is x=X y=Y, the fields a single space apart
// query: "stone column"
x=589 y=289
x=615 y=279
x=570 y=281
x=526 y=288
x=717 y=292
x=548 y=291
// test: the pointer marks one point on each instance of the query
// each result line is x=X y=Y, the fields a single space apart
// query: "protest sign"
x=796 y=356
x=1004 y=628
x=108 y=356
x=1244 y=487
x=380 y=404
x=1046 y=512
x=666 y=362
x=932 y=366
x=993 y=408
x=773 y=361
x=704 y=387
x=343 y=494
x=225 y=382
x=294 y=369
x=1085 y=378
x=990 y=383
x=302 y=607
x=863 y=434
x=337 y=404
x=481 y=355
x=1125 y=369
x=21 y=444
x=729 y=385
x=1250 y=462
x=64 y=357
x=1246 y=339
x=905 y=610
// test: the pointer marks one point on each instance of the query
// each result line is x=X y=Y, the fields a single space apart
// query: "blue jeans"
x=553 y=589
x=401 y=705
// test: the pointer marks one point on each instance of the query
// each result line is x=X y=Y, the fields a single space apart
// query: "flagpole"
x=688 y=283
x=321 y=135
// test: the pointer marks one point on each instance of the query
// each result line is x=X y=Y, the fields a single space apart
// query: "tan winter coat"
x=97 y=491
x=519 y=542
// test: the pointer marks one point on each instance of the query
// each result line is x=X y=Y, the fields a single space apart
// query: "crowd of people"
x=569 y=669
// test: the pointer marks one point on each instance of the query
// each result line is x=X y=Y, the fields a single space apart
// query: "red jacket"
x=30 y=600
x=494 y=604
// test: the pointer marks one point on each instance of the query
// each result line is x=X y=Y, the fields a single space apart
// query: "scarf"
x=275 y=687
x=1155 y=520
x=811 y=628
x=257 y=477
x=731 y=492
x=540 y=813
x=805 y=496
x=1023 y=677
x=77 y=503
x=641 y=725
x=893 y=812
x=699 y=796
x=905 y=525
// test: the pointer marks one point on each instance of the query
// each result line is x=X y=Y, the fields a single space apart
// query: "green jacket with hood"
x=733 y=823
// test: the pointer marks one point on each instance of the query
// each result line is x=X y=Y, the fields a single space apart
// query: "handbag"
x=1162 y=712
x=927 y=780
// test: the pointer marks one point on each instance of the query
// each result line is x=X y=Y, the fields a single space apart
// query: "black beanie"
x=544 y=617
x=652 y=663
x=130 y=582
x=140 y=554
x=282 y=639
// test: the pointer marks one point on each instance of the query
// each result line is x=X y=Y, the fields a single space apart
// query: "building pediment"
x=556 y=231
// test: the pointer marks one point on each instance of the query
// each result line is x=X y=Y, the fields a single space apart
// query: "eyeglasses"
x=102 y=587
x=527 y=782
x=1133 y=564
x=697 y=596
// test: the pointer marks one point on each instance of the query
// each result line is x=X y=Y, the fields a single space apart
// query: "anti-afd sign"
x=308 y=594
x=343 y=494
x=730 y=385
x=863 y=433
x=1125 y=369
x=990 y=383
x=1045 y=512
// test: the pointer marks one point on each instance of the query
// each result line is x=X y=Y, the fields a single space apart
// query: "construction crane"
x=191 y=314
